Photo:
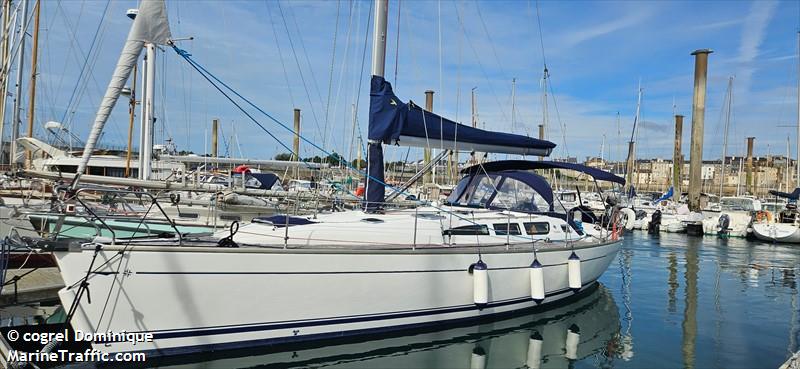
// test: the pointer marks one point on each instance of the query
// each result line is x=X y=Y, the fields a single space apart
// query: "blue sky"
x=597 y=54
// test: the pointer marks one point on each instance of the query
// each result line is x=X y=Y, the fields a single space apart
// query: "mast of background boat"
x=786 y=175
x=797 y=163
x=4 y=70
x=132 y=115
x=619 y=147
x=632 y=143
x=149 y=75
x=15 y=120
x=513 y=102
x=725 y=136
x=32 y=90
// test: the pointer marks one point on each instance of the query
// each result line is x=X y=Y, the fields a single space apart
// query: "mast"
x=146 y=151
x=379 y=38
x=786 y=174
x=132 y=115
x=602 y=148
x=15 y=120
x=474 y=110
x=619 y=146
x=797 y=163
x=375 y=187
x=513 y=102
x=352 y=133
x=142 y=122
x=629 y=167
x=544 y=101
x=32 y=97
x=4 y=71
x=725 y=136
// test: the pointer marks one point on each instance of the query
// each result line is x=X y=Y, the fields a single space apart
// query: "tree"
x=333 y=159
x=284 y=156
x=363 y=163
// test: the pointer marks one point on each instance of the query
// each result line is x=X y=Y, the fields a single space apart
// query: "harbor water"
x=669 y=301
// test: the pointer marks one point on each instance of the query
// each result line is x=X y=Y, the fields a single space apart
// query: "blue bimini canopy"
x=395 y=122
x=794 y=195
x=496 y=166
x=265 y=180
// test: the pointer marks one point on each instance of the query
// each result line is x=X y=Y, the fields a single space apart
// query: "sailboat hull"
x=200 y=298
x=777 y=232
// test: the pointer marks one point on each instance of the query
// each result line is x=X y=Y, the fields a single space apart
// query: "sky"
x=315 y=56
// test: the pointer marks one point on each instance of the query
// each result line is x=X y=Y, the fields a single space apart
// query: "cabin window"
x=67 y=168
x=737 y=204
x=569 y=197
x=468 y=230
x=502 y=229
x=534 y=228
x=188 y=215
x=235 y=217
x=115 y=172
x=458 y=191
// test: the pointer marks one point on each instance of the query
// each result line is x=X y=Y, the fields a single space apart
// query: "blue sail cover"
x=666 y=196
x=794 y=195
x=392 y=121
x=395 y=122
x=375 y=188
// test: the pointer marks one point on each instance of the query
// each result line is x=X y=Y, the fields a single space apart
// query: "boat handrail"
x=91 y=212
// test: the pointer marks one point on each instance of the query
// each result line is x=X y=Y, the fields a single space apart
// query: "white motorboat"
x=495 y=247
x=734 y=219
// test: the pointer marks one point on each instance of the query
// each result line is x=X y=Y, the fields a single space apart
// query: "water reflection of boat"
x=554 y=338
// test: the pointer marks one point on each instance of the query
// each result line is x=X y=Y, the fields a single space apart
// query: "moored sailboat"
x=493 y=248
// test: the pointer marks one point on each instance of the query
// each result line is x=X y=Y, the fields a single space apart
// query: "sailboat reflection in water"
x=588 y=328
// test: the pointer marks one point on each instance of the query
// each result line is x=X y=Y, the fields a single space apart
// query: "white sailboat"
x=494 y=248
x=786 y=225
x=783 y=227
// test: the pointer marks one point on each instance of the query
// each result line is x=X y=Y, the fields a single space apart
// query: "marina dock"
x=31 y=285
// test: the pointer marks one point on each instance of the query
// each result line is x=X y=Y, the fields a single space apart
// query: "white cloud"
x=753 y=34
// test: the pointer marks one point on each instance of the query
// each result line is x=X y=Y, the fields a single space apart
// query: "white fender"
x=630 y=218
x=573 y=337
x=480 y=283
x=534 y=358
x=537 y=281
x=574 y=271
x=478 y=358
